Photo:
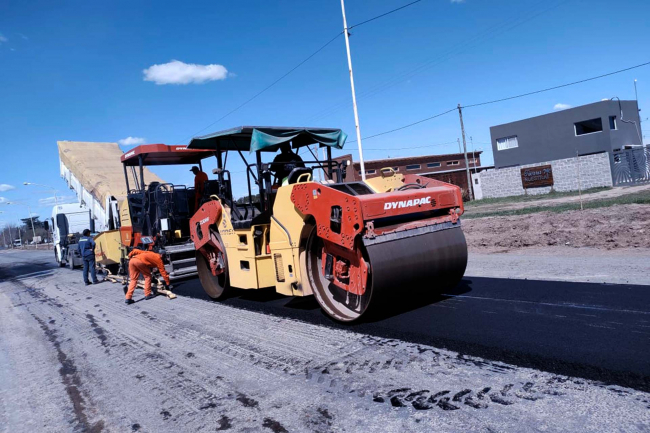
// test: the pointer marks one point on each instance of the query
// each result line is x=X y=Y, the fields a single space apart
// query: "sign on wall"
x=535 y=177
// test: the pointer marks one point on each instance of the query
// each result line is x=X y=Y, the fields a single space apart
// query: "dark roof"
x=413 y=159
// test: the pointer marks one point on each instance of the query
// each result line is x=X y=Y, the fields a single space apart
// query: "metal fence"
x=631 y=166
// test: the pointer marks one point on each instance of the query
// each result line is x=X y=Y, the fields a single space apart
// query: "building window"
x=612 y=123
x=507 y=143
x=433 y=164
x=371 y=171
x=590 y=126
x=452 y=162
x=413 y=167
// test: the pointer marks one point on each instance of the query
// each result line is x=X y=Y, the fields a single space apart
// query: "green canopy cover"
x=268 y=139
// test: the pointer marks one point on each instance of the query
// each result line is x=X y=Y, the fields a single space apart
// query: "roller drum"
x=416 y=265
x=404 y=267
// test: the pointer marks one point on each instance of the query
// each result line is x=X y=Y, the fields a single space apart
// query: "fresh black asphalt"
x=594 y=331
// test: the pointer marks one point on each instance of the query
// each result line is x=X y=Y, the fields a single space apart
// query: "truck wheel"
x=59 y=262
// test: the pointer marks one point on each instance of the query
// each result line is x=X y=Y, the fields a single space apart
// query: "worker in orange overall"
x=141 y=262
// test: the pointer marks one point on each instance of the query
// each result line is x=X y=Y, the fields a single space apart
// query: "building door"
x=476 y=184
x=631 y=166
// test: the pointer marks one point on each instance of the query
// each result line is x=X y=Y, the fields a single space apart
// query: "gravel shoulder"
x=77 y=359
x=563 y=263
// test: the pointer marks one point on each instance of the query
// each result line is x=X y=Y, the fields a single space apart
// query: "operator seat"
x=297 y=172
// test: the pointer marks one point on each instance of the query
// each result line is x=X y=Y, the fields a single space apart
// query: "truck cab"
x=68 y=222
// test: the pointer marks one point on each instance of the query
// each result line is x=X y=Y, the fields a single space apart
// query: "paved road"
x=75 y=358
x=595 y=331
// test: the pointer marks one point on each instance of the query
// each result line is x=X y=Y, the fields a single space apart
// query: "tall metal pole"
x=3 y=234
x=354 y=97
x=33 y=231
x=469 y=177
x=636 y=97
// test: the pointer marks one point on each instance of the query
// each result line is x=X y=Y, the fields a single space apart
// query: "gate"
x=631 y=166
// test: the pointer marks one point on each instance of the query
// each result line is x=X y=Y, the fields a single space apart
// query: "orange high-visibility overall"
x=141 y=262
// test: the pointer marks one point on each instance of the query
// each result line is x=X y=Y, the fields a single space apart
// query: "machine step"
x=178 y=262
x=183 y=271
x=175 y=249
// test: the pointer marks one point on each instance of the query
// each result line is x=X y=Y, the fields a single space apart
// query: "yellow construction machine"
x=353 y=245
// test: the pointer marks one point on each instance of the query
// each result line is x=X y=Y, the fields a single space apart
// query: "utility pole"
x=354 y=97
x=31 y=218
x=636 y=97
x=469 y=177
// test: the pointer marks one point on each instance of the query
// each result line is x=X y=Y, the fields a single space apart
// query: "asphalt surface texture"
x=490 y=355
x=595 y=331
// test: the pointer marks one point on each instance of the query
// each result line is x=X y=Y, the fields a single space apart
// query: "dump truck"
x=94 y=172
x=354 y=246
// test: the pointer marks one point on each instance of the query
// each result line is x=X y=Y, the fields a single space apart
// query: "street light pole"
x=56 y=201
x=354 y=97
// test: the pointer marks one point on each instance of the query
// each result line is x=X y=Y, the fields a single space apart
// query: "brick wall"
x=595 y=172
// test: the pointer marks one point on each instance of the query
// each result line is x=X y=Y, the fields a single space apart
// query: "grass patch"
x=527 y=198
x=636 y=198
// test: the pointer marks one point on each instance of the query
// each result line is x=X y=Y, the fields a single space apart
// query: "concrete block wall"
x=595 y=171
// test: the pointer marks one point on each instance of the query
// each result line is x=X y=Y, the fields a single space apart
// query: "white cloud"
x=458 y=1
x=177 y=72
x=132 y=141
x=2 y=199
x=4 y=187
x=50 y=201
x=560 y=106
x=3 y=39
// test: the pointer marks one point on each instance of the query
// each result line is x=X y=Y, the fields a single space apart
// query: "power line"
x=406 y=126
x=472 y=42
x=506 y=99
x=384 y=14
x=269 y=86
x=409 y=147
x=556 y=87
x=297 y=66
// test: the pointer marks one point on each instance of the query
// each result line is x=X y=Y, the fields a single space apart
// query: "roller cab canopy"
x=163 y=154
x=268 y=138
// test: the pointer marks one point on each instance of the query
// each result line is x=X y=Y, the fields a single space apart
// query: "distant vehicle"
x=68 y=222
x=18 y=243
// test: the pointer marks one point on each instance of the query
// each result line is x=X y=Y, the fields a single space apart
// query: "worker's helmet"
x=194 y=169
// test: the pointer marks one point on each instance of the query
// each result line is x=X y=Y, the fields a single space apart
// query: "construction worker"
x=284 y=162
x=86 y=248
x=199 y=185
x=141 y=262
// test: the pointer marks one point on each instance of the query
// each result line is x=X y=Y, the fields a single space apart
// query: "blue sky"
x=74 y=70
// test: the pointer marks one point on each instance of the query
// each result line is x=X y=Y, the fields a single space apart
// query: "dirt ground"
x=616 y=227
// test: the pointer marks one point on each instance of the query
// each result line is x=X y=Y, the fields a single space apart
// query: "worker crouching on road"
x=86 y=248
x=141 y=262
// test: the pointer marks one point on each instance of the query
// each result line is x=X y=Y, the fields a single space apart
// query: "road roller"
x=303 y=230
